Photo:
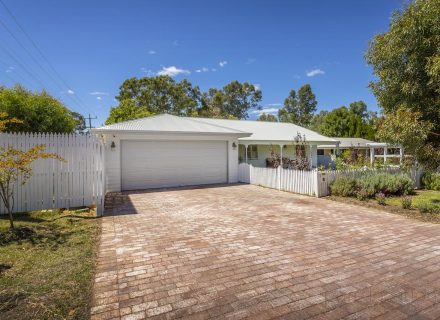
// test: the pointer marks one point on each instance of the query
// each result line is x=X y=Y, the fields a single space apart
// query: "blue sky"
x=278 y=45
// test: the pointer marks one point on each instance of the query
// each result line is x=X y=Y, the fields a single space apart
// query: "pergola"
x=380 y=145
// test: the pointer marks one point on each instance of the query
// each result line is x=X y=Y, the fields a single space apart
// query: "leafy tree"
x=127 y=110
x=239 y=98
x=39 y=112
x=317 y=120
x=80 y=122
x=16 y=163
x=161 y=94
x=354 y=122
x=406 y=61
x=152 y=95
x=267 y=117
x=299 y=108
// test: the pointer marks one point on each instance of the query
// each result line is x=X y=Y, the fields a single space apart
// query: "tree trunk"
x=11 y=220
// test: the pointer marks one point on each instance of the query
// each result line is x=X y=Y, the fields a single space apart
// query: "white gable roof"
x=350 y=142
x=166 y=123
x=246 y=130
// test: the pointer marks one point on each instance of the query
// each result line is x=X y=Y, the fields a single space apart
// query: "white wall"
x=113 y=157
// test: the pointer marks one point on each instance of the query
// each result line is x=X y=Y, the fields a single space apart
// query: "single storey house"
x=167 y=151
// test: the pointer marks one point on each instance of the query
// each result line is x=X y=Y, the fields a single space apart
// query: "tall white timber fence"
x=77 y=181
x=313 y=183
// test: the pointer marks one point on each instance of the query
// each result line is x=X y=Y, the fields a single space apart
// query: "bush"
x=431 y=181
x=406 y=202
x=343 y=186
x=380 y=197
x=368 y=185
x=426 y=207
x=386 y=183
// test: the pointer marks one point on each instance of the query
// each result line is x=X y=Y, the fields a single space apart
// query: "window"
x=320 y=152
x=252 y=152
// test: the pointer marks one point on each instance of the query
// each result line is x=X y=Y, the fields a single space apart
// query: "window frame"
x=252 y=152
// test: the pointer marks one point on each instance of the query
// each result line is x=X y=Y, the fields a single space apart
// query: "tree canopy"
x=299 y=108
x=141 y=97
x=267 y=117
x=354 y=121
x=406 y=61
x=38 y=112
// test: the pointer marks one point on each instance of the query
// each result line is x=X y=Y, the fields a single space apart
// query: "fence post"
x=317 y=181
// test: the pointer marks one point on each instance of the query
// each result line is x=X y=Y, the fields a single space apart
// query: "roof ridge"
x=139 y=119
x=214 y=125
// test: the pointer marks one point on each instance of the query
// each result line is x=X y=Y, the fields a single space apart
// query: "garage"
x=160 y=164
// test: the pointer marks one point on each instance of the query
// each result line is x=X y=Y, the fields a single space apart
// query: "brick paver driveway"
x=231 y=252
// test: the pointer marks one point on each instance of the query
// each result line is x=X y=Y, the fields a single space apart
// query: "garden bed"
x=46 y=265
x=393 y=205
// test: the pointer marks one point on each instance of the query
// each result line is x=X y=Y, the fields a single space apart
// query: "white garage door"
x=158 y=164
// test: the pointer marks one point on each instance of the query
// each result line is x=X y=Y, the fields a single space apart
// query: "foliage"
x=406 y=202
x=299 y=108
x=38 y=112
x=141 y=97
x=354 y=122
x=267 y=117
x=427 y=207
x=431 y=181
x=301 y=161
x=15 y=164
x=387 y=183
x=406 y=61
x=380 y=197
x=343 y=186
x=371 y=184
x=127 y=110
x=46 y=265
x=80 y=122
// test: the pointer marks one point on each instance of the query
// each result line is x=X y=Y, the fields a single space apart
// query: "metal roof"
x=247 y=130
x=268 y=131
x=166 y=123
x=349 y=142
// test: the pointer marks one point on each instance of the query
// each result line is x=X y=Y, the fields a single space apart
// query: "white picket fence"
x=314 y=183
x=79 y=181
x=297 y=181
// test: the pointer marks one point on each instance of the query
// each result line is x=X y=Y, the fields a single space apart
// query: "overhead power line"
x=64 y=84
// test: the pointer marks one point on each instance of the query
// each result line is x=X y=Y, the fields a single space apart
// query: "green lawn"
x=421 y=199
x=47 y=264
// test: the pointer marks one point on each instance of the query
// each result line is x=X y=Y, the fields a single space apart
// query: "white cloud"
x=314 y=72
x=70 y=91
x=251 y=60
x=265 y=110
x=149 y=72
x=222 y=63
x=204 y=69
x=257 y=86
x=98 y=98
x=172 y=71
x=213 y=69
x=98 y=93
x=152 y=52
x=274 y=104
x=10 y=69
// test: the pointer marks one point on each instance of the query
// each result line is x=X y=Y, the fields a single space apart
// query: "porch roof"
x=348 y=143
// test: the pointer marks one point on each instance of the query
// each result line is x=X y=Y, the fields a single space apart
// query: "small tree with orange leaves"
x=16 y=163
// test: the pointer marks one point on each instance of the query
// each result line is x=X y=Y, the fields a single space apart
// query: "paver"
x=242 y=251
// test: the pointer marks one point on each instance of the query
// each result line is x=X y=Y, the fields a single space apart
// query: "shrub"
x=343 y=186
x=362 y=194
x=427 y=207
x=406 y=202
x=380 y=197
x=371 y=184
x=386 y=183
x=431 y=181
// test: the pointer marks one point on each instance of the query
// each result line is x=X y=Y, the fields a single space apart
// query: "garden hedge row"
x=370 y=184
